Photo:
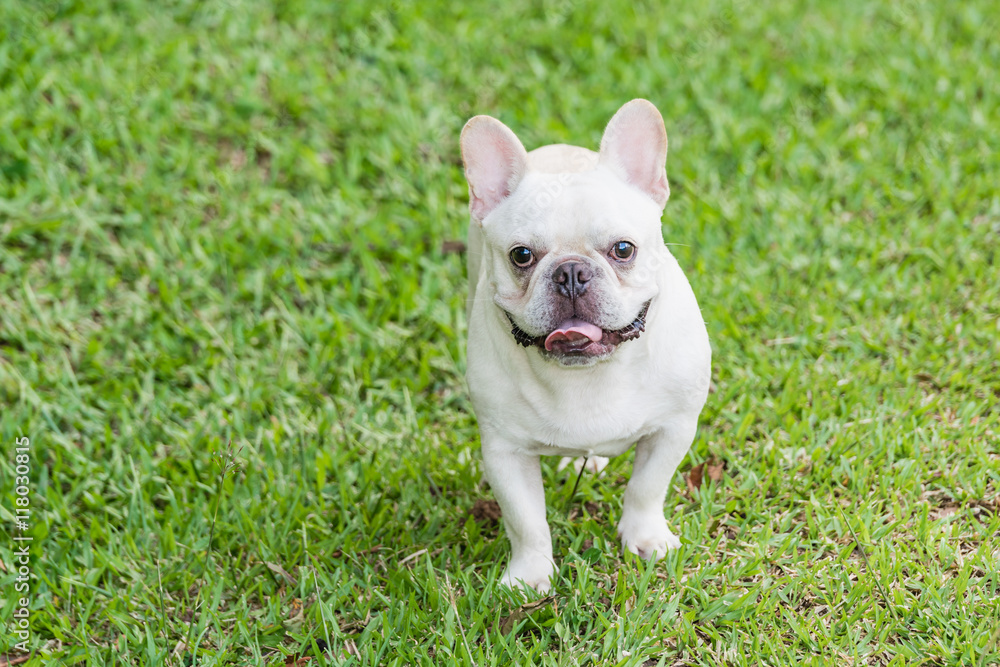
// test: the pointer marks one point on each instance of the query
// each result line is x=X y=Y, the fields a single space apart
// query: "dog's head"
x=572 y=238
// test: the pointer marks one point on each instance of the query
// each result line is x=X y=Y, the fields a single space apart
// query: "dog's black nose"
x=572 y=278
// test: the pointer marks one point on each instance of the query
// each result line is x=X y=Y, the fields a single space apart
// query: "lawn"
x=232 y=333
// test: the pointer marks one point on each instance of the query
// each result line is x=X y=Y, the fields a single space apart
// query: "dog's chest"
x=574 y=421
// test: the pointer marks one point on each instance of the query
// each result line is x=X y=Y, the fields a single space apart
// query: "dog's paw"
x=536 y=573
x=595 y=464
x=647 y=536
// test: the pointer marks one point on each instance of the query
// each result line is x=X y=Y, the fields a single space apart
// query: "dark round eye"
x=521 y=257
x=623 y=251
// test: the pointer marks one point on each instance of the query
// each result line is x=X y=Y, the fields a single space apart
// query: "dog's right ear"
x=495 y=162
x=634 y=146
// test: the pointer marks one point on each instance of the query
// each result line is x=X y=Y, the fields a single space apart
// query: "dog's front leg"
x=516 y=480
x=642 y=528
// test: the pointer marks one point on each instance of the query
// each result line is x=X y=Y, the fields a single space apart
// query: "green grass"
x=232 y=332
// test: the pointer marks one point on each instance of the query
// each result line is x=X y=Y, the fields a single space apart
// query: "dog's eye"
x=521 y=257
x=623 y=251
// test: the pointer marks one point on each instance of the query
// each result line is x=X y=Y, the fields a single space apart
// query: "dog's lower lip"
x=577 y=345
x=575 y=348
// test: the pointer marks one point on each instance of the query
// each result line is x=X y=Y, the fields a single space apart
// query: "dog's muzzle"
x=630 y=331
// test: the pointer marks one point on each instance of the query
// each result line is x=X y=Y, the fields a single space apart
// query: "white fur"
x=649 y=392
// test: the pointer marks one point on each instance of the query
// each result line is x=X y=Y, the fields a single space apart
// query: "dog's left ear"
x=634 y=146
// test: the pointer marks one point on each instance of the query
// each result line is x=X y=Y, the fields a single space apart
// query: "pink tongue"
x=574 y=331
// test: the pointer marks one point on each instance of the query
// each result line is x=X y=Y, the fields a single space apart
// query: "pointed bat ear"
x=634 y=146
x=495 y=162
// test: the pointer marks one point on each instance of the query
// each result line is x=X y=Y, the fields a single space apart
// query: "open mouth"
x=578 y=338
x=574 y=334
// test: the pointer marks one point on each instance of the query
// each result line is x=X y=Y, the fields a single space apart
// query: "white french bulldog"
x=584 y=335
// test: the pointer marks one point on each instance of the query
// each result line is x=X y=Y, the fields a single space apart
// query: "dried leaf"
x=352 y=627
x=355 y=626
x=6 y=660
x=416 y=554
x=715 y=471
x=694 y=478
x=522 y=612
x=296 y=616
x=277 y=569
x=944 y=511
